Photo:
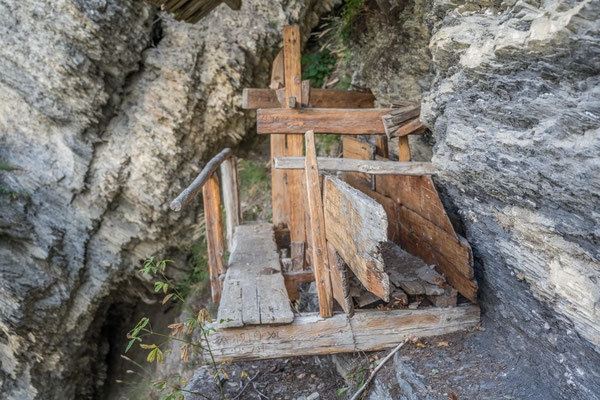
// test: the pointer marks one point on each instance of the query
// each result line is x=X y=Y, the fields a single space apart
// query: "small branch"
x=191 y=191
x=362 y=389
x=246 y=385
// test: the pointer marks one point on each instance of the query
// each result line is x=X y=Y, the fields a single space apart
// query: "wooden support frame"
x=367 y=330
x=321 y=120
x=214 y=234
x=254 y=99
x=320 y=257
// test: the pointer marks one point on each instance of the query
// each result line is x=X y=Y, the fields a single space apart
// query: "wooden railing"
x=208 y=182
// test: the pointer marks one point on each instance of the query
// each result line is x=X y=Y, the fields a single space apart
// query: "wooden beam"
x=382 y=146
x=340 y=280
x=321 y=120
x=231 y=198
x=367 y=330
x=365 y=166
x=277 y=76
x=294 y=143
x=356 y=227
x=398 y=116
x=253 y=99
x=279 y=189
x=403 y=149
x=191 y=191
x=214 y=234
x=320 y=259
x=413 y=126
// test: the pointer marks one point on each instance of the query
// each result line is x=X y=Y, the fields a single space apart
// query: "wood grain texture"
x=382 y=148
x=410 y=127
x=231 y=197
x=320 y=258
x=367 y=330
x=292 y=65
x=399 y=115
x=403 y=149
x=279 y=189
x=340 y=281
x=356 y=227
x=317 y=98
x=277 y=75
x=254 y=291
x=321 y=120
x=356 y=149
x=371 y=167
x=214 y=234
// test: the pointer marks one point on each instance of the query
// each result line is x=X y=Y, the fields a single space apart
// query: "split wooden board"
x=367 y=330
x=356 y=227
x=253 y=290
x=372 y=167
x=321 y=120
x=214 y=233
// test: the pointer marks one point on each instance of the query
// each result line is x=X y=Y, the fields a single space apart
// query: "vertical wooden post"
x=320 y=259
x=279 y=201
x=293 y=97
x=214 y=234
x=403 y=149
x=231 y=197
x=382 y=146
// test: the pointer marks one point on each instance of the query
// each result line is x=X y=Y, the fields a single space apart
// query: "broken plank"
x=367 y=330
x=398 y=116
x=413 y=126
x=297 y=250
x=319 y=98
x=374 y=167
x=357 y=227
x=277 y=76
x=320 y=260
x=339 y=281
x=214 y=234
x=321 y=120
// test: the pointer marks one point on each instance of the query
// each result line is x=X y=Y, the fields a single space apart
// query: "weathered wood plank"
x=297 y=250
x=320 y=259
x=191 y=191
x=367 y=330
x=279 y=189
x=321 y=120
x=382 y=148
x=374 y=167
x=410 y=127
x=253 y=99
x=403 y=149
x=418 y=194
x=277 y=74
x=354 y=148
x=231 y=197
x=214 y=234
x=339 y=281
x=292 y=65
x=254 y=281
x=356 y=227
x=398 y=116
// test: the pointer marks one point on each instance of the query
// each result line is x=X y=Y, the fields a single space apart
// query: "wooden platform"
x=367 y=330
x=253 y=290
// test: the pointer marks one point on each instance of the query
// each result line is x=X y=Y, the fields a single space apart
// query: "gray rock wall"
x=513 y=101
x=106 y=112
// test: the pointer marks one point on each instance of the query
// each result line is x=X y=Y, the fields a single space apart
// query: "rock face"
x=107 y=110
x=512 y=96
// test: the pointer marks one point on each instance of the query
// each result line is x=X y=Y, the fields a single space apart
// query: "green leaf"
x=165 y=287
x=158 y=285
x=152 y=355
x=341 y=391
x=131 y=342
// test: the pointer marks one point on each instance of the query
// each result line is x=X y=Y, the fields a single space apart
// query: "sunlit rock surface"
x=106 y=110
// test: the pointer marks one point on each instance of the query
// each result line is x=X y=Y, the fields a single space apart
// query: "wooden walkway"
x=253 y=290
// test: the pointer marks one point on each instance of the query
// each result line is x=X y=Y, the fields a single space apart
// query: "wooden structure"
x=193 y=11
x=378 y=237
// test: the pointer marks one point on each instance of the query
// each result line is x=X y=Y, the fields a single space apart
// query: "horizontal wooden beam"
x=321 y=120
x=367 y=330
x=319 y=98
x=373 y=167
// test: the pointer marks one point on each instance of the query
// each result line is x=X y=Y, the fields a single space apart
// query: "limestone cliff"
x=511 y=93
x=107 y=108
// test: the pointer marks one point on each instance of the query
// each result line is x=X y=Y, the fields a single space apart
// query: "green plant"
x=193 y=333
x=350 y=12
x=199 y=275
x=273 y=23
x=4 y=166
x=317 y=67
x=14 y=195
x=325 y=143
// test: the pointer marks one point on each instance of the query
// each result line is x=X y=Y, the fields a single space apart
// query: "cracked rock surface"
x=106 y=111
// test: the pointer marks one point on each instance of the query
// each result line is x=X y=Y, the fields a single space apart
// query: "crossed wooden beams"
x=289 y=109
